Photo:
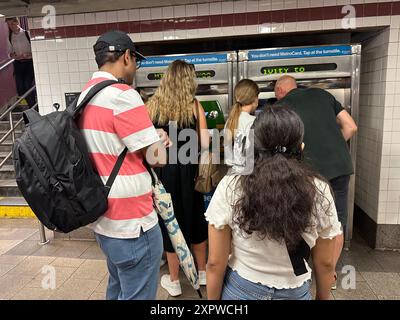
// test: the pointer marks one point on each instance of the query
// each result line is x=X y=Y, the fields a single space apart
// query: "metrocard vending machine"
x=334 y=68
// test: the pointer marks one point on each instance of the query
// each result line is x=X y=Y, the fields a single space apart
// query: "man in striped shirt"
x=128 y=232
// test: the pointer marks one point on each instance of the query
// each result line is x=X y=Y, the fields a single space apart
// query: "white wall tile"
x=303 y=26
x=290 y=4
x=303 y=3
x=203 y=9
x=227 y=7
x=180 y=11
x=316 y=25
x=191 y=10
x=134 y=15
x=80 y=19
x=239 y=6
x=145 y=14
x=69 y=20
x=383 y=21
x=101 y=17
x=392 y=219
x=277 y=5
x=252 y=6
x=395 y=22
x=90 y=18
x=156 y=13
x=59 y=21
x=111 y=16
x=122 y=15
x=264 y=5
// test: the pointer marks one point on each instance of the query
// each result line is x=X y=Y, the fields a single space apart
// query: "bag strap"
x=196 y=110
x=74 y=110
x=27 y=36
x=115 y=170
x=153 y=175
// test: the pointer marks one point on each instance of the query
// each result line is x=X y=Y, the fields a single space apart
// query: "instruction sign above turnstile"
x=302 y=52
x=210 y=68
x=300 y=62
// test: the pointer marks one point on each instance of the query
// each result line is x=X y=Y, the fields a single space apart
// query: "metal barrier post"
x=42 y=234
x=12 y=127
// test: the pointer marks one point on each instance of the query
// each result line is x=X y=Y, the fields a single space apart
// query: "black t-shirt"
x=325 y=147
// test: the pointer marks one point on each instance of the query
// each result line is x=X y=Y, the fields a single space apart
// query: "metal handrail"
x=13 y=127
x=16 y=103
x=7 y=64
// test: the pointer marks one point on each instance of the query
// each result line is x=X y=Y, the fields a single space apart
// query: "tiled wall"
x=64 y=62
x=371 y=125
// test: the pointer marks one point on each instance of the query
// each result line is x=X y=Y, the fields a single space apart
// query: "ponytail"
x=232 y=123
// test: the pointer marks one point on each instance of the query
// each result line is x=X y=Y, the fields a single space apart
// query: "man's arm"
x=347 y=124
x=10 y=50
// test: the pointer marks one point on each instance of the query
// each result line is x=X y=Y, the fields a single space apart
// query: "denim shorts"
x=237 y=288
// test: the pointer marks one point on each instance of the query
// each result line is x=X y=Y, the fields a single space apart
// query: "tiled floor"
x=81 y=272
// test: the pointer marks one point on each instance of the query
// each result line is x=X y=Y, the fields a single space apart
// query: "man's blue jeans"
x=133 y=265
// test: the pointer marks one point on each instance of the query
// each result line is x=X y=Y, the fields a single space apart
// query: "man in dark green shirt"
x=327 y=128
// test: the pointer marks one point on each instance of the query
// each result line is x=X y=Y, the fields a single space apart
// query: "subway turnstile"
x=335 y=68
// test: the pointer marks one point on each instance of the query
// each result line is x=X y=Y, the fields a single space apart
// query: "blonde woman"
x=238 y=124
x=174 y=104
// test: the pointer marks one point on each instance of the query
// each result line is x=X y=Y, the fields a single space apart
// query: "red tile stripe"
x=222 y=20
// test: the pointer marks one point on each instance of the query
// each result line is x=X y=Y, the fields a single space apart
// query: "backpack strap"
x=74 y=110
x=27 y=36
x=115 y=170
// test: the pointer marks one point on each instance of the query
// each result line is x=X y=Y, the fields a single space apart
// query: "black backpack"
x=53 y=170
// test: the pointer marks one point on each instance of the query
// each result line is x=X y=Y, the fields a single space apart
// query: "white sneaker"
x=173 y=287
x=202 y=278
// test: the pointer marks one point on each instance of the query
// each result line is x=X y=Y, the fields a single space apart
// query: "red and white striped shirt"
x=117 y=117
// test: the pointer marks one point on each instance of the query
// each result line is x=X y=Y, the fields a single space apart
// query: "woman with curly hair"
x=174 y=108
x=264 y=226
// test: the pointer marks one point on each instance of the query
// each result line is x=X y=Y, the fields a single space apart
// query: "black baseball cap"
x=116 y=41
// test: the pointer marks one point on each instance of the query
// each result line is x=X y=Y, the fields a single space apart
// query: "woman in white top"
x=264 y=226
x=238 y=125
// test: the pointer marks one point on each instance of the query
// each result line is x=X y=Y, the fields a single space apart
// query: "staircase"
x=12 y=204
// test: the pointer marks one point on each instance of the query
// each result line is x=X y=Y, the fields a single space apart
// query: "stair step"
x=7 y=172
x=15 y=207
x=6 y=146
x=13 y=201
x=9 y=188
